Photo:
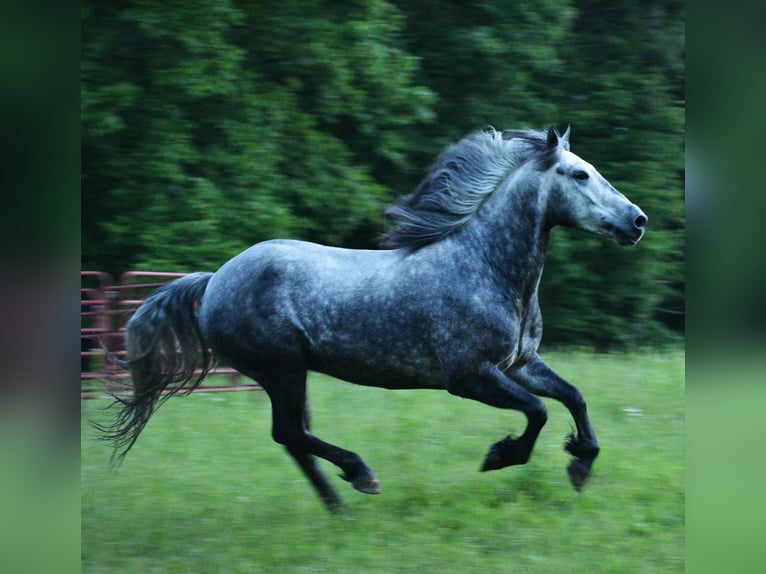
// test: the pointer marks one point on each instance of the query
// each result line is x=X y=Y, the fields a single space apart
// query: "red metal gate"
x=105 y=307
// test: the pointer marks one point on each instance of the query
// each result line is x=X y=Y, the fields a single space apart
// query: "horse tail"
x=166 y=355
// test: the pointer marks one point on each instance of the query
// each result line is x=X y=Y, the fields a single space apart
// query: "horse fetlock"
x=581 y=448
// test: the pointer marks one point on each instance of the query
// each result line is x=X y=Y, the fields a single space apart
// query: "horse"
x=449 y=302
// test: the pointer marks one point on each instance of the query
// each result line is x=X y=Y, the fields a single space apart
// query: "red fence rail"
x=105 y=307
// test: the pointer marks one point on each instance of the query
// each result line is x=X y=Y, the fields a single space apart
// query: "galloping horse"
x=450 y=303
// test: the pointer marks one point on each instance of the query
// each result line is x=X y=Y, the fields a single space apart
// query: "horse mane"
x=461 y=178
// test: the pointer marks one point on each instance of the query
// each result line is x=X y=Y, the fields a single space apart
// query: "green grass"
x=206 y=490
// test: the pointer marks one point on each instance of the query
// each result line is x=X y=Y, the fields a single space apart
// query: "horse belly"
x=371 y=360
x=411 y=376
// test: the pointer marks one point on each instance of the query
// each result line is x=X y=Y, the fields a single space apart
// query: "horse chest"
x=488 y=327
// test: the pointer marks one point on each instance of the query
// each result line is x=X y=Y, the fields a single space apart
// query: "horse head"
x=579 y=196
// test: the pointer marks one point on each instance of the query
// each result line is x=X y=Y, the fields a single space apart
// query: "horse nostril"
x=640 y=221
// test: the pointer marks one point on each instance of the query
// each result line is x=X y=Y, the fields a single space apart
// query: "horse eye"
x=581 y=175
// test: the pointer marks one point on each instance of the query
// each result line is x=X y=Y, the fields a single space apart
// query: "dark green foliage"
x=624 y=96
x=209 y=126
x=206 y=129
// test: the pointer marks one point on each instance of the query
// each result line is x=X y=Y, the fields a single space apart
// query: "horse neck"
x=514 y=234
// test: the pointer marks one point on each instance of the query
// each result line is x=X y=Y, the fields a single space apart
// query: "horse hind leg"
x=290 y=428
x=354 y=469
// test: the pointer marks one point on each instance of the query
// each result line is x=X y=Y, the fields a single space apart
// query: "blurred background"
x=209 y=126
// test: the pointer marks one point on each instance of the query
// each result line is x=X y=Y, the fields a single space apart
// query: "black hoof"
x=579 y=468
x=365 y=482
x=492 y=461
x=579 y=471
x=507 y=452
x=368 y=485
x=336 y=506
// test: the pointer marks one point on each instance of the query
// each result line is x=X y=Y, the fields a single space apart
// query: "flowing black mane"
x=462 y=177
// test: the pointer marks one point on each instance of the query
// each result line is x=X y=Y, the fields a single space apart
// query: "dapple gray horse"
x=450 y=304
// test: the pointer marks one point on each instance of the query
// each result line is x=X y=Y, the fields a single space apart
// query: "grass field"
x=206 y=490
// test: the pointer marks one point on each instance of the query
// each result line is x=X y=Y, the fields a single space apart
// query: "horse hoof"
x=336 y=506
x=579 y=471
x=507 y=452
x=368 y=485
x=492 y=462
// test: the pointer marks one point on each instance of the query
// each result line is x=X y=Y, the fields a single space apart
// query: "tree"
x=622 y=97
x=488 y=62
x=208 y=127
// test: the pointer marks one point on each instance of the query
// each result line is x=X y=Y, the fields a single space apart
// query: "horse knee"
x=537 y=414
x=577 y=401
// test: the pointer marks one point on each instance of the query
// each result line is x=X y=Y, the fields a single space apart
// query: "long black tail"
x=166 y=354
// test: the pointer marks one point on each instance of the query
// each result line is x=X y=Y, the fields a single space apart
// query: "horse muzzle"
x=630 y=228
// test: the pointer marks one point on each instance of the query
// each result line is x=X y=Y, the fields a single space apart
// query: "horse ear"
x=553 y=138
x=565 y=138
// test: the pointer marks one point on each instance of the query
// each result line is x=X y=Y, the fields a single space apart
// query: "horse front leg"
x=540 y=379
x=490 y=386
